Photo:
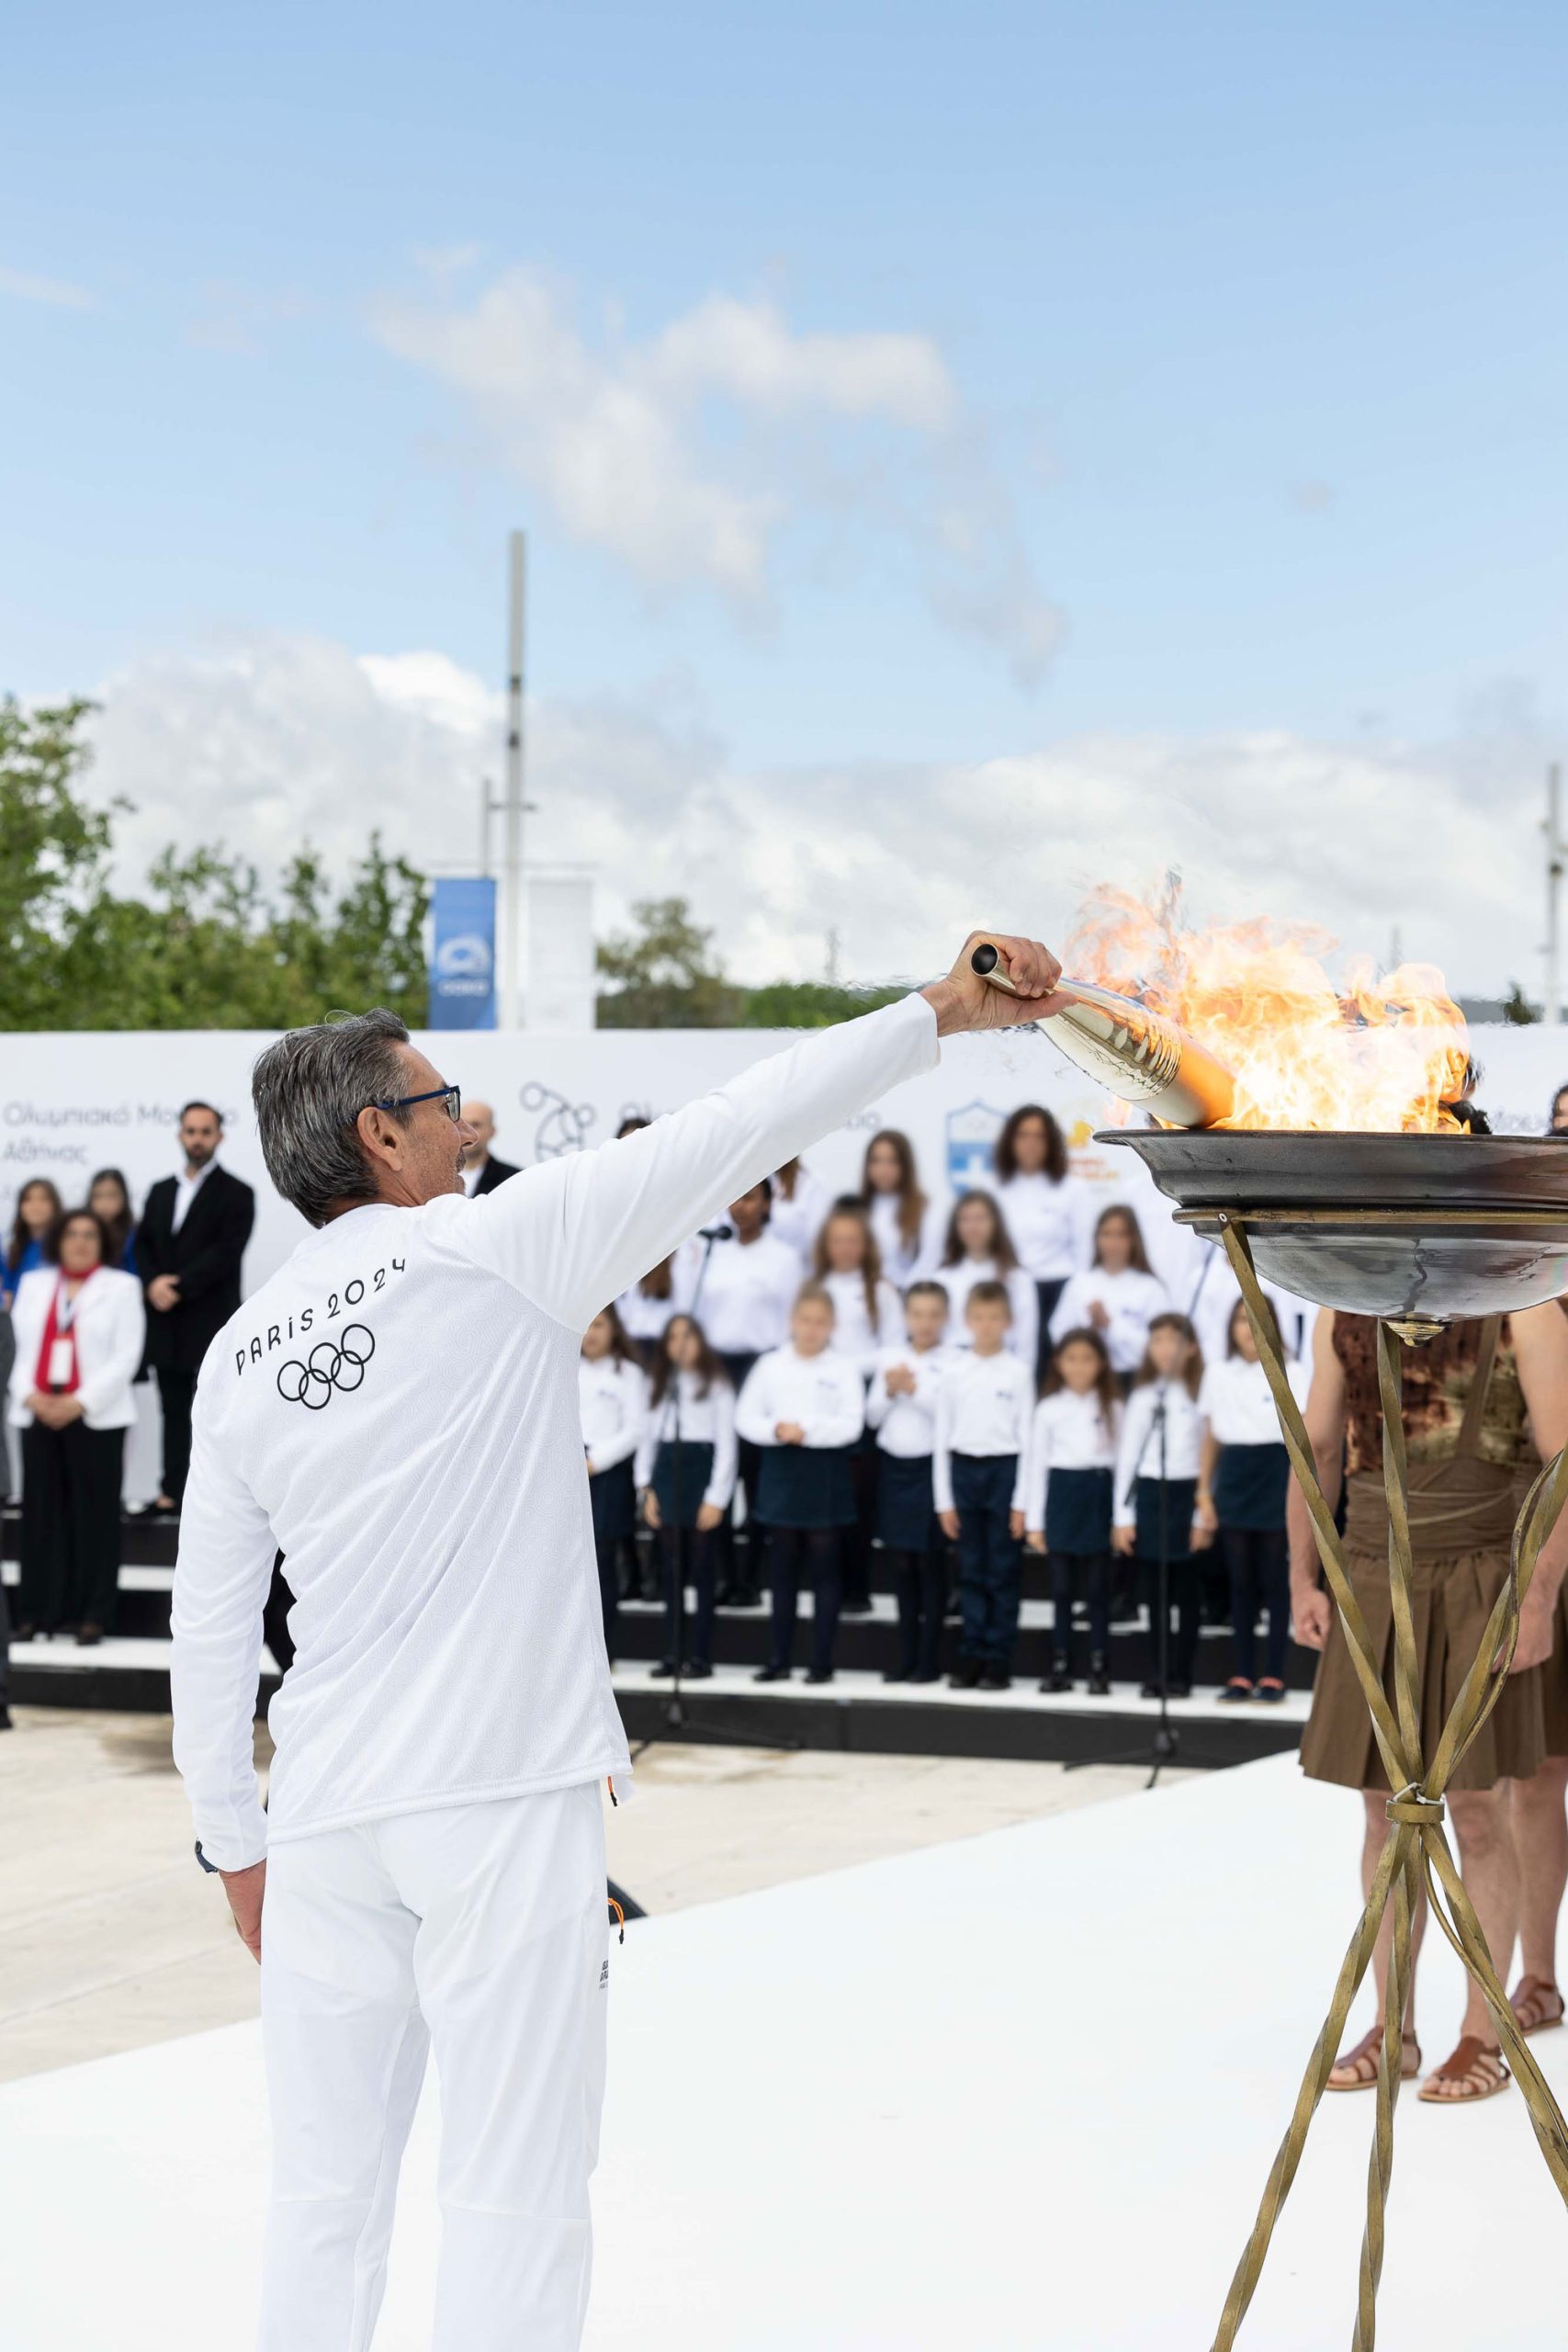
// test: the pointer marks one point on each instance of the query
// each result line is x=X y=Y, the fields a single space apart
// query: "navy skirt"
x=694 y=1465
x=1078 y=1511
x=1181 y=1500
x=906 y=1512
x=611 y=1495
x=805 y=1486
x=1251 y=1484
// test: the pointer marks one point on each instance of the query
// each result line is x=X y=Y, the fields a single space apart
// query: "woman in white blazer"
x=80 y=1324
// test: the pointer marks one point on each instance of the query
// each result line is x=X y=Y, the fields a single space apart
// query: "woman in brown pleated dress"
x=1466 y=1396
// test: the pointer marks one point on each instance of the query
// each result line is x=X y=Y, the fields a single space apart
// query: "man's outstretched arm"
x=578 y=1232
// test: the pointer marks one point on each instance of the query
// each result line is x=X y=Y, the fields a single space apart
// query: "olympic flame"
x=1372 y=1054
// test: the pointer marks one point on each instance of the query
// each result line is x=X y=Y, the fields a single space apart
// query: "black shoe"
x=88 y=1636
x=6 y=1724
x=965 y=1676
x=898 y=1674
x=746 y=1597
x=933 y=1676
x=1268 y=1692
x=1061 y=1674
x=665 y=1670
x=697 y=1669
x=819 y=1674
x=1181 y=1690
x=23 y=1633
x=1150 y=1691
x=995 y=1678
x=771 y=1674
x=1099 y=1684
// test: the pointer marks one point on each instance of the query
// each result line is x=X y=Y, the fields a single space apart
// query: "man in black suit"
x=188 y=1248
x=481 y=1170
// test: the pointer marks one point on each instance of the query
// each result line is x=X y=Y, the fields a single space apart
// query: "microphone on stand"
x=715 y=1233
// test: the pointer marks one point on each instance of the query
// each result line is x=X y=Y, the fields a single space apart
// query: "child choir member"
x=901 y=1406
x=1157 y=1463
x=867 y=1317
x=1244 y=1480
x=685 y=1468
x=613 y=1395
x=908 y=1227
x=741 y=1290
x=801 y=1202
x=1072 y=1459
x=977 y=1475
x=803 y=1407
x=978 y=1248
x=646 y=1307
x=1048 y=1210
x=1118 y=1295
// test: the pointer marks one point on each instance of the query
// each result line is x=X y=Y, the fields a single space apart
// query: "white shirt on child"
x=823 y=1393
x=982 y=1408
x=906 y=1424
x=643 y=1318
x=707 y=1419
x=1139 y=1453
x=613 y=1398
x=1238 y=1404
x=1050 y=1225
x=1069 y=1433
x=1131 y=1301
x=855 y=1334
x=743 y=1299
x=959 y=1280
x=899 y=1260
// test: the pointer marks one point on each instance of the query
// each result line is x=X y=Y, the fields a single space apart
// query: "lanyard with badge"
x=62 y=1347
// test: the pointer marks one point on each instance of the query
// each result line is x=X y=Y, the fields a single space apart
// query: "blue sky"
x=1224 y=396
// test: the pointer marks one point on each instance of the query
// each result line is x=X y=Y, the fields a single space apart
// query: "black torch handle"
x=987 y=961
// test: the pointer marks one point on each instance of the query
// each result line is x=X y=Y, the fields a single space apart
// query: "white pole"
x=1554 y=1006
x=512 y=866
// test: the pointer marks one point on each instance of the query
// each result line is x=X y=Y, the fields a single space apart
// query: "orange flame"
x=1379 y=1054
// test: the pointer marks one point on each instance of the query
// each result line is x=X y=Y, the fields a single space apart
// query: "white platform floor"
x=1020 y=2091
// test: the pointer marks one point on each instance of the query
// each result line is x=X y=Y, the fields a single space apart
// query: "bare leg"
x=1539 y=1811
x=1491 y=1871
x=1352 y=2069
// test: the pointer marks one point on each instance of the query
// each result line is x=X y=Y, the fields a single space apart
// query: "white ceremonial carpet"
x=1018 y=2091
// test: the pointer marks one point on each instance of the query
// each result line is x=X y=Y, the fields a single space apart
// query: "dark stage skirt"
x=1250 y=1485
x=613 y=1497
x=694 y=1463
x=906 y=1514
x=1078 y=1511
x=805 y=1486
x=1181 y=1498
x=1554 y=1682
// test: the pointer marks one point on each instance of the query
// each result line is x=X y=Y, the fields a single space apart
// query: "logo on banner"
x=462 y=957
x=563 y=1126
x=330 y=1364
x=972 y=1135
x=465 y=964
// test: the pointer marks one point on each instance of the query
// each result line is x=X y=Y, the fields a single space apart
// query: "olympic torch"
x=1136 y=1054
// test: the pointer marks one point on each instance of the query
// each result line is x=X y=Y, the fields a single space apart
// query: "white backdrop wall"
x=73 y=1101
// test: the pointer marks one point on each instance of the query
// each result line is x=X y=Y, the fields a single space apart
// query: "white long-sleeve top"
x=1051 y=1225
x=108 y=1324
x=1139 y=1453
x=643 y=1318
x=1209 y=1294
x=901 y=1263
x=906 y=1424
x=1069 y=1433
x=823 y=1393
x=396 y=1411
x=1238 y=1404
x=797 y=1221
x=613 y=1398
x=855 y=1333
x=706 y=1418
x=982 y=1408
x=959 y=1280
x=743 y=1299
x=1132 y=1301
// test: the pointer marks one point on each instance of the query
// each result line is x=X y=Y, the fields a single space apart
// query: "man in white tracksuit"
x=396 y=1411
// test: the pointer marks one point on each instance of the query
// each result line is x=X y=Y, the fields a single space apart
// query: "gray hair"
x=309 y=1088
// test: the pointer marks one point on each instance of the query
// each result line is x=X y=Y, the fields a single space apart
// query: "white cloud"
x=55 y=293
x=266 y=743
x=685 y=454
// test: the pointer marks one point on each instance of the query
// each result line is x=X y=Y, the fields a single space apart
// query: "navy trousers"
x=1258 y=1561
x=990 y=1562
x=812 y=1555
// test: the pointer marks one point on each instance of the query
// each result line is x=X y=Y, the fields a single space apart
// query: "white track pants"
x=483 y=1930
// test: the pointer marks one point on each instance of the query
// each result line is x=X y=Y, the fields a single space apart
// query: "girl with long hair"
x=1070 y=1497
x=867 y=1317
x=907 y=1225
x=1048 y=1209
x=1156 y=1520
x=1245 y=1481
x=108 y=1196
x=1117 y=1295
x=685 y=1471
x=38 y=1206
x=978 y=1247
x=613 y=1394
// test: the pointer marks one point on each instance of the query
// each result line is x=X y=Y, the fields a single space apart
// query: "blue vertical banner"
x=462 y=955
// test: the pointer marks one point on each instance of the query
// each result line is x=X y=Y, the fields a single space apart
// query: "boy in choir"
x=1157 y=1497
x=900 y=1406
x=1072 y=1459
x=802 y=1408
x=1118 y=1295
x=685 y=1470
x=611 y=1390
x=741 y=1289
x=867 y=1317
x=978 y=1472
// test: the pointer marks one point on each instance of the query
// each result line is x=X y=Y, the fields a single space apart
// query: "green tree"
x=808 y=1004
x=664 y=974
x=1518 y=1007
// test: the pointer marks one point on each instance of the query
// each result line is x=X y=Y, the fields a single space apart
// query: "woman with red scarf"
x=80 y=1324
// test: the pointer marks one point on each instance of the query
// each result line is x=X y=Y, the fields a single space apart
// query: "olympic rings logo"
x=330 y=1364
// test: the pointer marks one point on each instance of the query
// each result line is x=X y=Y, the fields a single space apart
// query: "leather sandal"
x=1472 y=2062
x=1366 y=2057
x=1536 y=2003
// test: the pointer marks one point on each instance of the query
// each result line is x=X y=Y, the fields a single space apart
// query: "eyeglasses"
x=452 y=1096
